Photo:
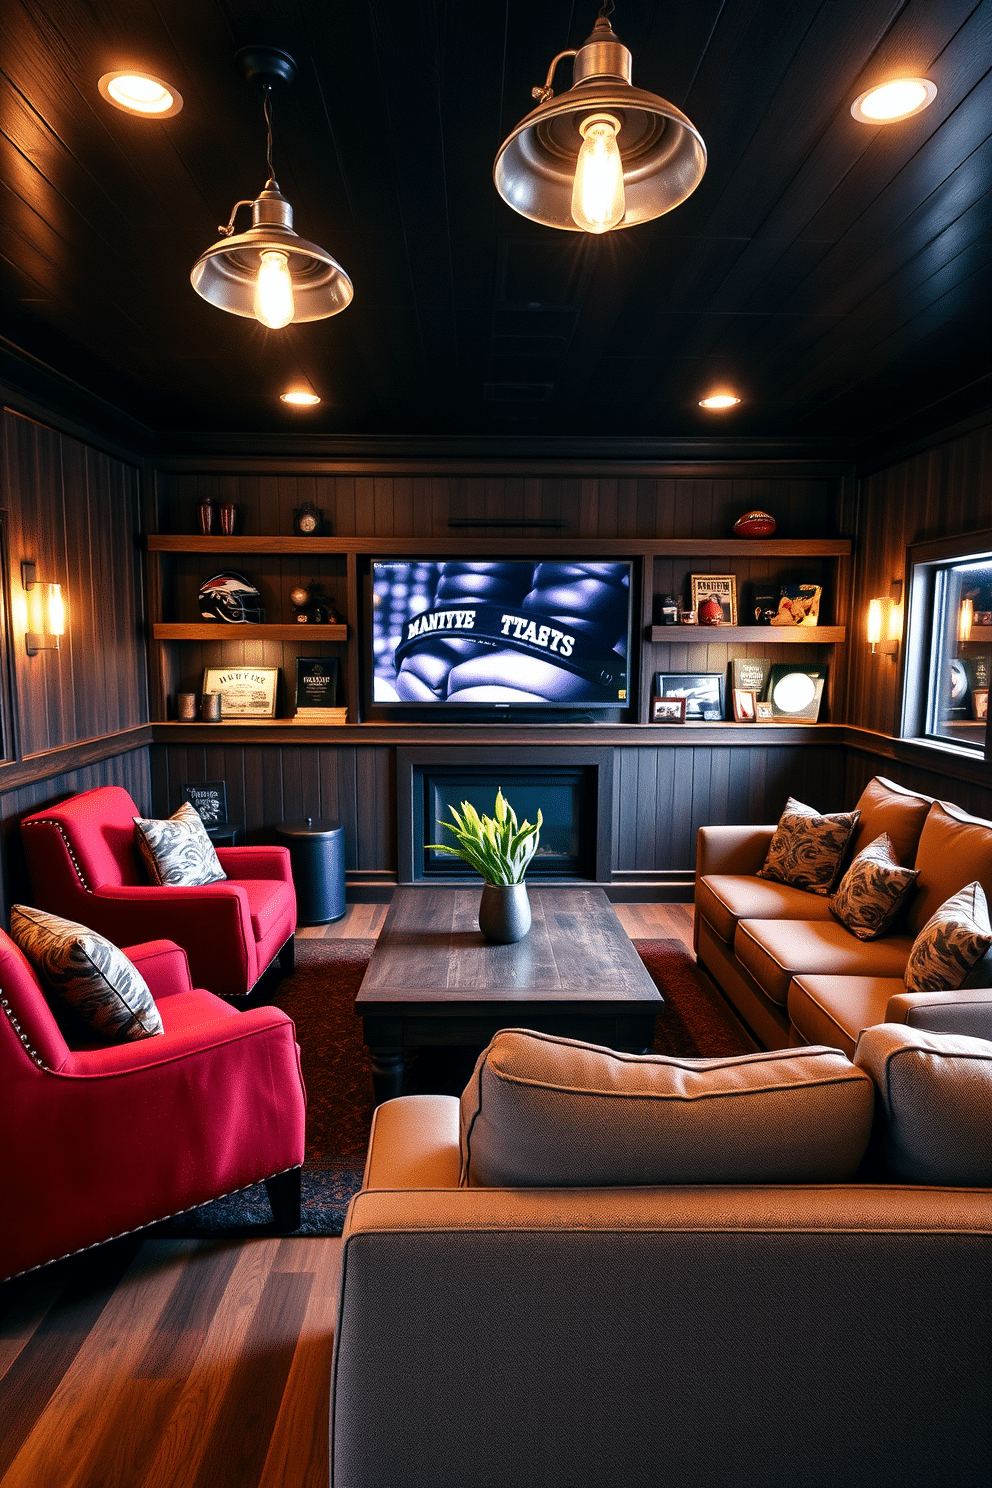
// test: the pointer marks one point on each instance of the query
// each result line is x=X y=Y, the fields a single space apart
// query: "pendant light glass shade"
x=269 y=273
x=544 y=165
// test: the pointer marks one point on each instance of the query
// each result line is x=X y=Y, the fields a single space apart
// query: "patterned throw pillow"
x=178 y=852
x=950 y=943
x=88 y=974
x=807 y=848
x=872 y=890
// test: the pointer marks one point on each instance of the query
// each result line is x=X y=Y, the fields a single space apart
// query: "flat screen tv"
x=508 y=635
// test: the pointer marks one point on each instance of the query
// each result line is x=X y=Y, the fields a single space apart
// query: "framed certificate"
x=245 y=692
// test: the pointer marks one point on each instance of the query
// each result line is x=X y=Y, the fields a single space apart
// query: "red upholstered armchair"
x=101 y=1140
x=85 y=866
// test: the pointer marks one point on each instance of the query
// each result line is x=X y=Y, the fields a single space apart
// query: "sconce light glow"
x=718 y=401
x=44 y=612
x=890 y=102
x=140 y=93
x=299 y=398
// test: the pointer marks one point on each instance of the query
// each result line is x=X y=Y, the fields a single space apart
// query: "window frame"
x=924 y=560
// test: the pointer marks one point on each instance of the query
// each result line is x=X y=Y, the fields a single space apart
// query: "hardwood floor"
x=188 y=1363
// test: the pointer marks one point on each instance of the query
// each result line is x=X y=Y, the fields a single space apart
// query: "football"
x=755 y=524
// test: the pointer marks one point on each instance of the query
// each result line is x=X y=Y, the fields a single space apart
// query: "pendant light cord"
x=267 y=107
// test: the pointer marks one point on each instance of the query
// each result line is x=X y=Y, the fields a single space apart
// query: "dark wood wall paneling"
x=74 y=513
x=941 y=492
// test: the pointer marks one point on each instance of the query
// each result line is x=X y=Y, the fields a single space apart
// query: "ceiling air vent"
x=517 y=392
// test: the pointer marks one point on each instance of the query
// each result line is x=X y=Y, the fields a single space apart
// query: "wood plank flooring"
x=188 y=1363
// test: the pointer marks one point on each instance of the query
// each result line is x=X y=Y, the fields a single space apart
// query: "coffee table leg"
x=387 y=1071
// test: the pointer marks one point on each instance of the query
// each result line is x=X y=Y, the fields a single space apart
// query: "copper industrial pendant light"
x=604 y=154
x=269 y=272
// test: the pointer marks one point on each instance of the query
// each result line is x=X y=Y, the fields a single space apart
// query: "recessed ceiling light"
x=896 y=100
x=140 y=93
x=300 y=399
x=719 y=401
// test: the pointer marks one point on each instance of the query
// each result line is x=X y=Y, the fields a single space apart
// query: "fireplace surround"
x=573 y=787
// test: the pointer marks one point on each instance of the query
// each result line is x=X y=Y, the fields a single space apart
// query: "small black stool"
x=316 y=851
x=224 y=834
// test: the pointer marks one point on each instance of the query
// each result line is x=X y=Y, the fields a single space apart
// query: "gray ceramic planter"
x=504 y=913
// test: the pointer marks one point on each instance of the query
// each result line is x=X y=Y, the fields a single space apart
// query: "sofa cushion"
x=84 y=972
x=887 y=807
x=724 y=898
x=808 y=848
x=951 y=942
x=954 y=850
x=542 y=1111
x=774 y=951
x=934 y=1108
x=177 y=852
x=834 y=1009
x=873 y=890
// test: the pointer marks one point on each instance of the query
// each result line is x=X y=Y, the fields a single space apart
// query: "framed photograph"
x=245 y=692
x=980 y=702
x=668 y=710
x=722 y=587
x=209 y=800
x=317 y=681
x=703 y=693
x=763 y=712
x=745 y=705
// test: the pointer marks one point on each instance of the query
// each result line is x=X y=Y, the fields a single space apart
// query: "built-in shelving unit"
x=182 y=645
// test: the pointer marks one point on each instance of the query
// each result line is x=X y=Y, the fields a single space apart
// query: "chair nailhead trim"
x=47 y=822
x=22 y=1036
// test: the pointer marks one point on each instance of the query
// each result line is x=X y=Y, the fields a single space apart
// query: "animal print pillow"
x=873 y=890
x=950 y=943
x=807 y=848
x=178 y=852
x=85 y=972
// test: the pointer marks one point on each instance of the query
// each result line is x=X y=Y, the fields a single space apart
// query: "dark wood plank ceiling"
x=837 y=275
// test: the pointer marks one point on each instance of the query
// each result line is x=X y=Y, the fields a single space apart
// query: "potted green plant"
x=499 y=848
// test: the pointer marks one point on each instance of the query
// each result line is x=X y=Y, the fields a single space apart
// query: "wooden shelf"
x=773 y=635
x=383 y=547
x=206 y=630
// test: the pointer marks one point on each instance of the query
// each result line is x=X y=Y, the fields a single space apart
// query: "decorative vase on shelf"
x=504 y=912
x=499 y=848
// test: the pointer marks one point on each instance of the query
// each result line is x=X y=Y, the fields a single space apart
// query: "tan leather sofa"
x=830 y=1335
x=793 y=972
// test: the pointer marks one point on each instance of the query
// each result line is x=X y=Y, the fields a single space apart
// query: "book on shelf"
x=316 y=683
x=322 y=715
x=750 y=674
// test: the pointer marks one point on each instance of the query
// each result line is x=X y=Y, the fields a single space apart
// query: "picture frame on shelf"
x=980 y=703
x=703 y=693
x=668 y=710
x=722 y=587
x=745 y=705
x=317 y=681
x=208 y=799
x=795 y=692
x=245 y=691
x=751 y=673
x=763 y=712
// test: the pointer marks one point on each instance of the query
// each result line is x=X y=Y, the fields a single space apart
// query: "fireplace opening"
x=567 y=799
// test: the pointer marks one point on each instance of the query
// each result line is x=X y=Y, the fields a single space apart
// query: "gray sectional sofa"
x=794 y=973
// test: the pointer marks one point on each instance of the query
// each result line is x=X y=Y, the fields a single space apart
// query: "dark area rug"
x=319 y=996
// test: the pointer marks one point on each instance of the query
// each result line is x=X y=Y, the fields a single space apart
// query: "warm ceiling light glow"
x=300 y=399
x=719 y=400
x=140 y=93
x=896 y=100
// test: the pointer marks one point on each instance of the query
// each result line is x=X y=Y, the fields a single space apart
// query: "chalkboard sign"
x=316 y=681
x=209 y=800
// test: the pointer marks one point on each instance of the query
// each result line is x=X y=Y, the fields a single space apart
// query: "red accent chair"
x=100 y=1140
x=84 y=865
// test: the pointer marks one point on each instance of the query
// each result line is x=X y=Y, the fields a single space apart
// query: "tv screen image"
x=494 y=634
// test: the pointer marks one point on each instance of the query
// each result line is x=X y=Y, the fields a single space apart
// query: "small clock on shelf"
x=308 y=520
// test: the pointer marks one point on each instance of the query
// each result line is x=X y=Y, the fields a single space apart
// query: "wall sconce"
x=45 y=612
x=884 y=628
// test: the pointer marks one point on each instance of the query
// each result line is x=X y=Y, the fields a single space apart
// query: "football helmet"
x=230 y=596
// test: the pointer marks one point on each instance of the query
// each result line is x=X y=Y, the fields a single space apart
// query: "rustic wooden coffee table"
x=433 y=979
